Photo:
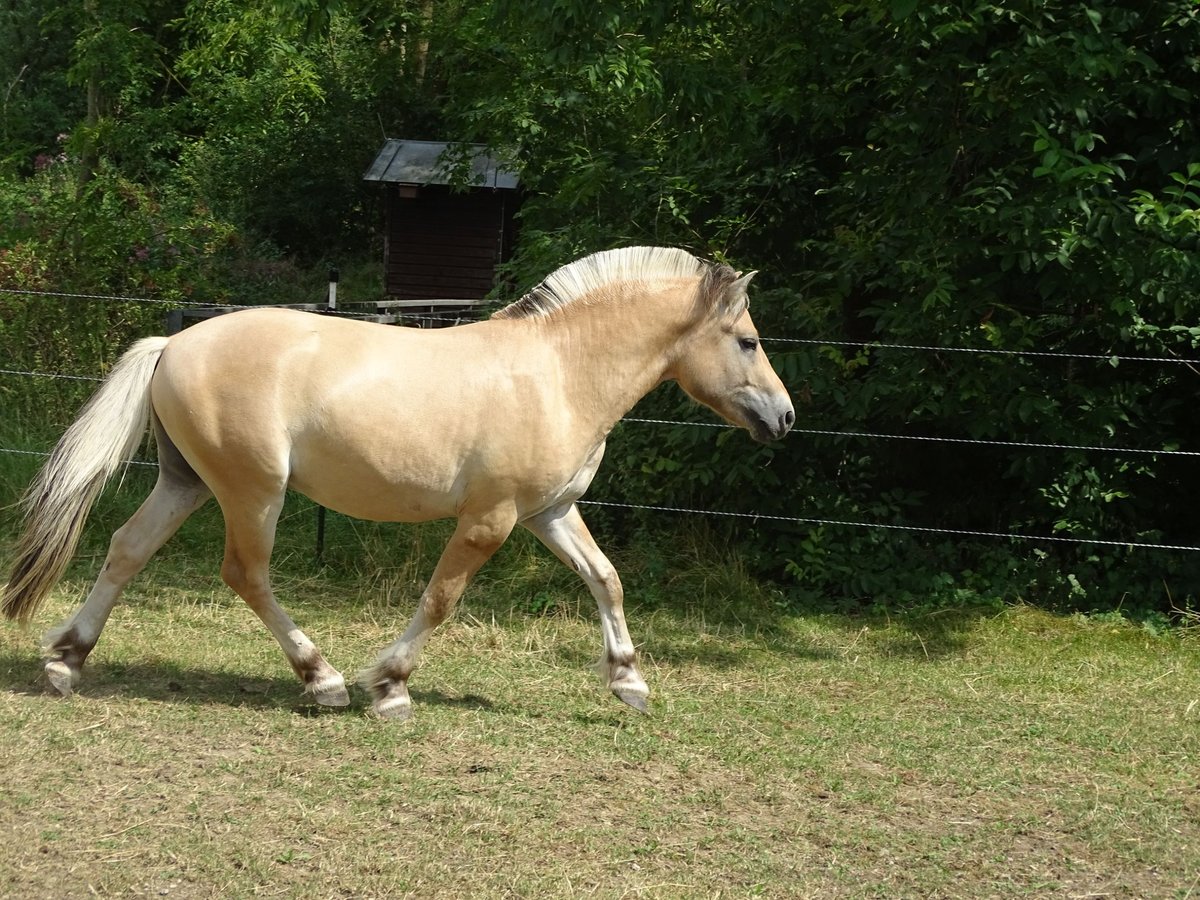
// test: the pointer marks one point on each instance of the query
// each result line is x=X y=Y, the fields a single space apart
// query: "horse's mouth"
x=763 y=430
x=758 y=428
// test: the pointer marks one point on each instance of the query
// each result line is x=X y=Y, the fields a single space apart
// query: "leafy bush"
x=106 y=236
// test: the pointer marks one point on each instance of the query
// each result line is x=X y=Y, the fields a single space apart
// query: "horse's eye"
x=748 y=344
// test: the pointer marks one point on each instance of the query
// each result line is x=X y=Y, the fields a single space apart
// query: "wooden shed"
x=442 y=240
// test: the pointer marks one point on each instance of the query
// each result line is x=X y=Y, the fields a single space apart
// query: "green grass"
x=968 y=753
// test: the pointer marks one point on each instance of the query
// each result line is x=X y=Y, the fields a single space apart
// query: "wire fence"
x=450 y=316
x=868 y=435
x=658 y=422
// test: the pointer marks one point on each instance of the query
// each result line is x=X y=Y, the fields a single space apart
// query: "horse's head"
x=723 y=366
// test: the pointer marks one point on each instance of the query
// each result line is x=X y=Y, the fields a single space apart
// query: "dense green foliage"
x=1016 y=177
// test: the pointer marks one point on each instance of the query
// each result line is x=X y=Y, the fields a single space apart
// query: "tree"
x=37 y=104
x=1018 y=178
x=1012 y=178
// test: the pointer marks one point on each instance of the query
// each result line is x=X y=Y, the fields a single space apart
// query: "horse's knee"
x=248 y=582
x=233 y=573
x=486 y=539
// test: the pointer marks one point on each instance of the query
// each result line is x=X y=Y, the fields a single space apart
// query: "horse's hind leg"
x=176 y=496
x=562 y=529
x=249 y=537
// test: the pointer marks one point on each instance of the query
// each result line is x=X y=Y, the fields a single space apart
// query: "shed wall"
x=444 y=245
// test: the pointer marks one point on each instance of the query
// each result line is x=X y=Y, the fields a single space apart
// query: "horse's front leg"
x=562 y=529
x=475 y=539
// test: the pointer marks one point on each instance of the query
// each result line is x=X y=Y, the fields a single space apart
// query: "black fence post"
x=330 y=307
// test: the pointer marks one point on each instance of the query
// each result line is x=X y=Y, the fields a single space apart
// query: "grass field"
x=992 y=753
x=956 y=755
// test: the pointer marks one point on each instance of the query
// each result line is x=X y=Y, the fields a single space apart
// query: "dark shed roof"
x=428 y=162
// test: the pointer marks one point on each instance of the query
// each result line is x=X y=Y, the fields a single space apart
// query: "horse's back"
x=376 y=421
x=280 y=363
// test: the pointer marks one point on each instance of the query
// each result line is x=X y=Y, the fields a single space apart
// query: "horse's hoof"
x=637 y=701
x=333 y=697
x=398 y=709
x=61 y=677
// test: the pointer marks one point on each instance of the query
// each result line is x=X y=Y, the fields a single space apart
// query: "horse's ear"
x=735 y=300
x=743 y=281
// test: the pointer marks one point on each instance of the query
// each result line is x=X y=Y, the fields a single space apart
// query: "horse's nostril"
x=789 y=418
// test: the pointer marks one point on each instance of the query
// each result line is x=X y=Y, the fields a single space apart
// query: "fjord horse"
x=498 y=423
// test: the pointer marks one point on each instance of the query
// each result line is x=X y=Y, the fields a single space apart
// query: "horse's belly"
x=371 y=488
x=416 y=486
x=376 y=500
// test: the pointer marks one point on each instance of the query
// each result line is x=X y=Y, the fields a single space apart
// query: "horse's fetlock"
x=622 y=676
x=391 y=699
x=65 y=645
x=383 y=677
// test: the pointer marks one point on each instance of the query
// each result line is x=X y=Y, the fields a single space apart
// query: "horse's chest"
x=567 y=483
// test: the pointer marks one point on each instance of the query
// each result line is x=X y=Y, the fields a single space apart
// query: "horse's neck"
x=614 y=355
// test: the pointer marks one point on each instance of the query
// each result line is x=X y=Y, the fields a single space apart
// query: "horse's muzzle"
x=766 y=426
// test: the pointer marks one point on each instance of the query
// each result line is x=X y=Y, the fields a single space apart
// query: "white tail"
x=98 y=444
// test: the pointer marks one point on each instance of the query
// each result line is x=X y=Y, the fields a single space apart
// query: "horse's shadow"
x=673 y=637
x=166 y=682
x=671 y=641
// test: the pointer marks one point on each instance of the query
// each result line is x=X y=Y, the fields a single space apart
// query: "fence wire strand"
x=812 y=520
x=443 y=316
x=52 y=375
x=44 y=454
x=1033 y=445
x=991 y=351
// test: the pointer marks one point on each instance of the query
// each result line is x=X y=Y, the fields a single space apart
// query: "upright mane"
x=575 y=280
